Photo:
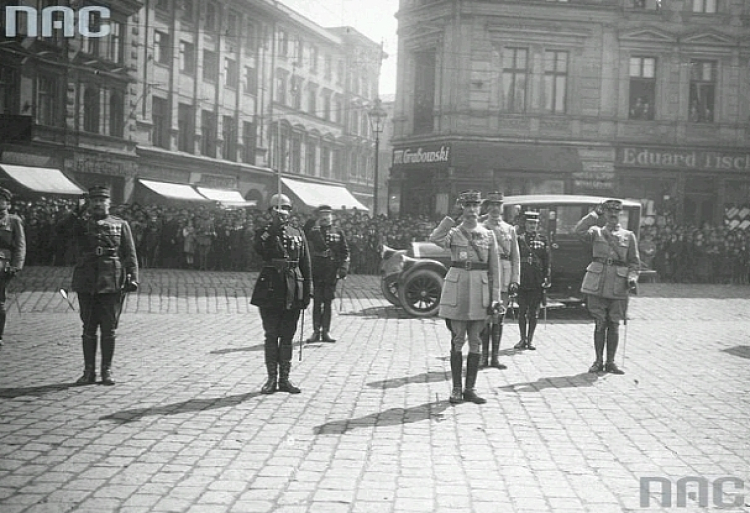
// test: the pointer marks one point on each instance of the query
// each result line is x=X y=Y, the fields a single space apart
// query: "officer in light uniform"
x=471 y=291
x=610 y=277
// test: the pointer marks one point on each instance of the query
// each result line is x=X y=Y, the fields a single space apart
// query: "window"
x=424 y=91
x=702 y=91
x=231 y=32
x=162 y=5
x=251 y=80
x=283 y=42
x=312 y=99
x=248 y=142
x=340 y=72
x=295 y=157
x=161 y=47
x=311 y=153
x=114 y=48
x=187 y=57
x=299 y=47
x=208 y=133
x=642 y=87
x=229 y=135
x=705 y=6
x=313 y=58
x=339 y=110
x=555 y=81
x=116 y=114
x=231 y=75
x=91 y=109
x=281 y=89
x=185 y=128
x=647 y=5
x=327 y=67
x=92 y=43
x=8 y=90
x=187 y=8
x=210 y=65
x=212 y=15
x=327 y=105
x=160 y=117
x=250 y=35
x=515 y=73
x=325 y=162
x=296 y=90
x=47 y=100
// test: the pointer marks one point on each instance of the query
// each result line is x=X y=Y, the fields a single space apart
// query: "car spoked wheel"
x=389 y=288
x=420 y=294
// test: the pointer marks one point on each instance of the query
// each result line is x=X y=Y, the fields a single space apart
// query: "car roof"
x=562 y=199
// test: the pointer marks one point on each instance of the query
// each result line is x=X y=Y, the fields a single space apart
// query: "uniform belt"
x=504 y=257
x=470 y=266
x=100 y=251
x=280 y=264
x=610 y=261
x=325 y=254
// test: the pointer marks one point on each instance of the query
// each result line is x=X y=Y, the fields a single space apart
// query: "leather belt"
x=100 y=251
x=610 y=261
x=324 y=254
x=470 y=266
x=504 y=257
x=281 y=265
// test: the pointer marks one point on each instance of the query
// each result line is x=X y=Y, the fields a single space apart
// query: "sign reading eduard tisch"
x=428 y=154
x=698 y=160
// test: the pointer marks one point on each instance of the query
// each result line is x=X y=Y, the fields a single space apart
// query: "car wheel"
x=420 y=294
x=389 y=288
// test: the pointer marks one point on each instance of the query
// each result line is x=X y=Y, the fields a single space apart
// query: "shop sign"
x=420 y=155
x=698 y=160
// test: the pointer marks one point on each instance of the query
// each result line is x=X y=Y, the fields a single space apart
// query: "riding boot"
x=472 y=368
x=317 y=315
x=108 y=351
x=89 y=360
x=599 y=334
x=485 y=336
x=315 y=337
x=613 y=339
x=497 y=334
x=272 y=354
x=285 y=365
x=457 y=363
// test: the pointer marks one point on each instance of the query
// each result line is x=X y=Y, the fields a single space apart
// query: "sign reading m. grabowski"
x=422 y=155
x=670 y=158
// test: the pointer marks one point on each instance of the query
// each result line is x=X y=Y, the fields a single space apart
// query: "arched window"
x=91 y=110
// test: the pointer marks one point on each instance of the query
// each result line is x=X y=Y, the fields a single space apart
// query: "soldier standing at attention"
x=507 y=244
x=330 y=261
x=535 y=277
x=12 y=250
x=282 y=291
x=611 y=275
x=471 y=292
x=106 y=269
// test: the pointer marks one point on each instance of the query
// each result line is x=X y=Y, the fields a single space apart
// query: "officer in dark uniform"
x=283 y=289
x=535 y=277
x=12 y=250
x=106 y=269
x=330 y=261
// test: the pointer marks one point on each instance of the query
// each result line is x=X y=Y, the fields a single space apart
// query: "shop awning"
x=42 y=179
x=227 y=197
x=316 y=194
x=520 y=157
x=176 y=191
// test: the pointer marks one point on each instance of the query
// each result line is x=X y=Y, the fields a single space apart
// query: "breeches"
x=280 y=326
x=459 y=331
x=99 y=311
x=528 y=302
x=605 y=310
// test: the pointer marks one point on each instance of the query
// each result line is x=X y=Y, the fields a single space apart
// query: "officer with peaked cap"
x=611 y=275
x=535 y=276
x=282 y=291
x=106 y=269
x=471 y=290
x=12 y=250
x=330 y=261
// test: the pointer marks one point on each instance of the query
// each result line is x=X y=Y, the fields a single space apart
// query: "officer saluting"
x=612 y=273
x=330 y=261
x=282 y=291
x=12 y=250
x=106 y=269
x=535 y=273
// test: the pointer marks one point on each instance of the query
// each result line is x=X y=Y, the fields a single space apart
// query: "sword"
x=64 y=294
x=301 y=329
x=341 y=296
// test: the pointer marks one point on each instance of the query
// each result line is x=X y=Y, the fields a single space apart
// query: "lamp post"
x=377 y=122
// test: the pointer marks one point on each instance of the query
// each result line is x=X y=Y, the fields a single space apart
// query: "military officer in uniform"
x=471 y=291
x=611 y=275
x=106 y=269
x=535 y=277
x=12 y=250
x=283 y=290
x=330 y=261
x=507 y=243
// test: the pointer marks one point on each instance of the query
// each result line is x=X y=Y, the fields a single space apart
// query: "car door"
x=570 y=255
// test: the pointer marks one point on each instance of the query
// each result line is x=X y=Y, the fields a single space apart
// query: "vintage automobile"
x=413 y=278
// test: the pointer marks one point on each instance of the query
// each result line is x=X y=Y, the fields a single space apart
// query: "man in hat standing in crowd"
x=106 y=269
x=507 y=244
x=471 y=291
x=330 y=261
x=535 y=276
x=283 y=290
x=611 y=275
x=12 y=250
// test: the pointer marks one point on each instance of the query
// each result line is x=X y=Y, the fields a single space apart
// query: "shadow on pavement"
x=584 y=379
x=741 y=351
x=390 y=312
x=390 y=417
x=12 y=393
x=229 y=350
x=193 y=405
x=425 y=377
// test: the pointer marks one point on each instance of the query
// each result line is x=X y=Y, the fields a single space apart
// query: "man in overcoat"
x=12 y=250
x=471 y=291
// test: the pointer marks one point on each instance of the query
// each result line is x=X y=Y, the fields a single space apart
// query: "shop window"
x=555 y=81
x=160 y=118
x=642 y=87
x=702 y=91
x=91 y=110
x=185 y=128
x=515 y=76
x=705 y=6
x=424 y=91
x=208 y=133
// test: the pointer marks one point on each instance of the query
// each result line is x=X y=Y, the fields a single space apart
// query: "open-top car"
x=413 y=278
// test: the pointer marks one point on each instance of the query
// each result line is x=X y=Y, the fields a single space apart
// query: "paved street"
x=186 y=430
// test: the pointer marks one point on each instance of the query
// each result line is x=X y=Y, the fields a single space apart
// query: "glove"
x=306 y=301
x=633 y=287
x=495 y=308
x=342 y=273
x=513 y=289
x=11 y=271
x=130 y=286
x=546 y=284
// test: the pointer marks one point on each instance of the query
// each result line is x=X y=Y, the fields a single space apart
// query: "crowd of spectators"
x=210 y=238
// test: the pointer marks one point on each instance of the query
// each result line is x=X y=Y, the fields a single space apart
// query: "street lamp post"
x=377 y=122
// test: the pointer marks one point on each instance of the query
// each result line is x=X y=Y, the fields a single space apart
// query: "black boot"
x=315 y=337
x=108 y=351
x=599 y=334
x=457 y=363
x=284 y=384
x=485 y=336
x=613 y=339
x=89 y=376
x=107 y=378
x=497 y=335
x=472 y=368
x=89 y=360
x=325 y=337
x=271 y=354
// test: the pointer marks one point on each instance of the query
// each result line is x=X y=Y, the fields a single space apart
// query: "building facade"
x=640 y=99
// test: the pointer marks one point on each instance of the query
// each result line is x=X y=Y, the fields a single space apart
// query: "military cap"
x=324 y=209
x=612 y=204
x=5 y=194
x=494 y=197
x=470 y=197
x=531 y=215
x=99 y=191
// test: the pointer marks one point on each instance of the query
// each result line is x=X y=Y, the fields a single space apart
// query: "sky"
x=373 y=18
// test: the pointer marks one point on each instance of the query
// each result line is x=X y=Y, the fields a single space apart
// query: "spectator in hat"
x=12 y=250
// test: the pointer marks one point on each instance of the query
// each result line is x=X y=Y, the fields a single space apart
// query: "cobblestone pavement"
x=185 y=429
